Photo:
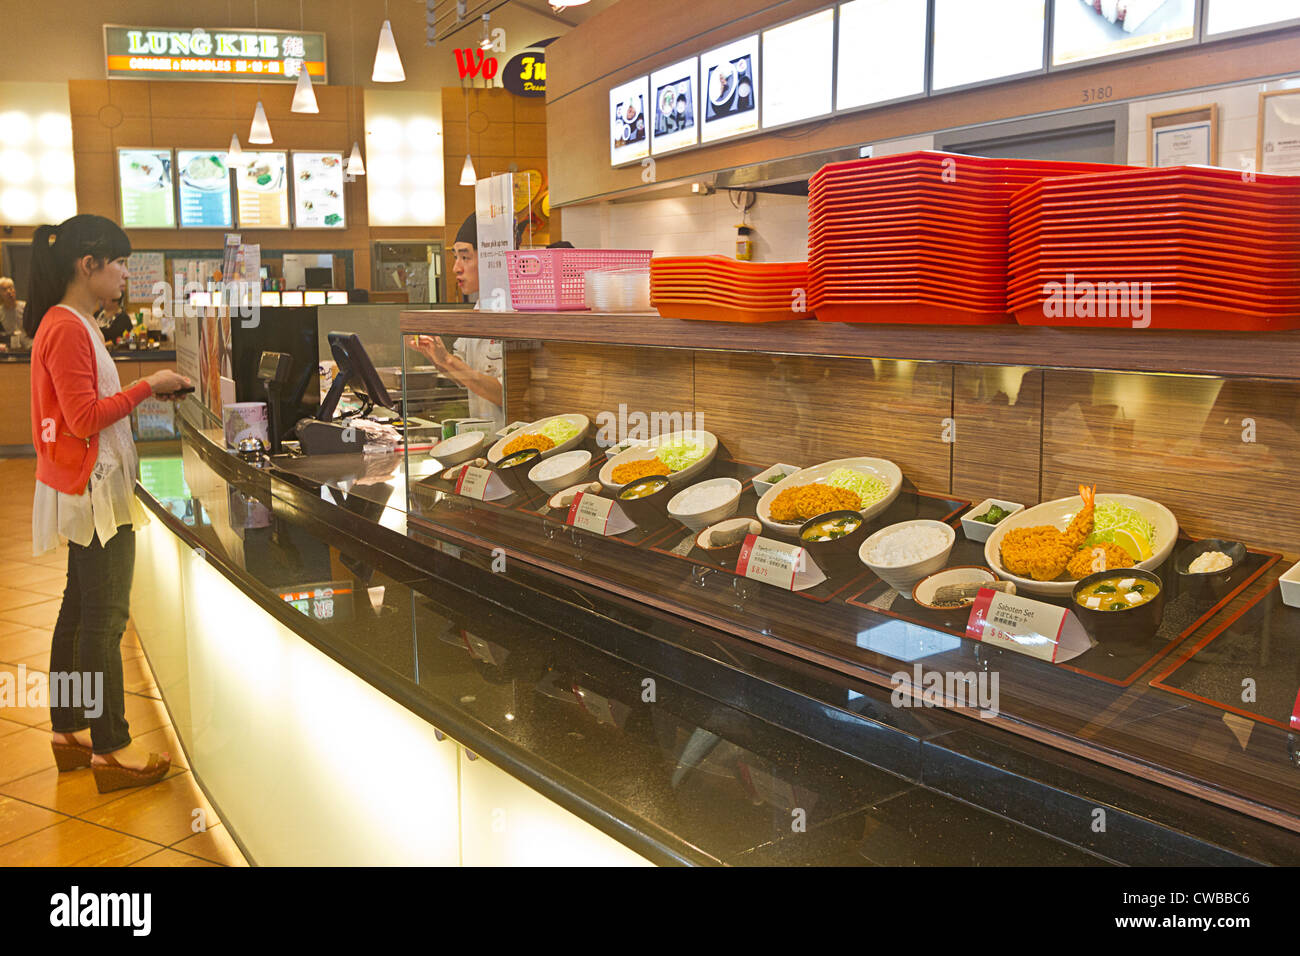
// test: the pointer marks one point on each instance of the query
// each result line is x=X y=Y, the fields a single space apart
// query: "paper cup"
x=242 y=420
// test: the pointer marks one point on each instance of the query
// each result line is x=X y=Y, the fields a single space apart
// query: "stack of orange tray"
x=1184 y=247
x=719 y=289
x=916 y=237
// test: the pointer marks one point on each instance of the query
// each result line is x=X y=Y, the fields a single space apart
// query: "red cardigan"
x=67 y=412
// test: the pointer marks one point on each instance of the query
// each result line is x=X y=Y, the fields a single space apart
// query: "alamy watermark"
x=923 y=688
x=1098 y=300
x=60 y=690
x=191 y=300
x=614 y=428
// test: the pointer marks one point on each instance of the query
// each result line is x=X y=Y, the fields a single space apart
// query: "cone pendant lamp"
x=467 y=175
x=388 y=65
x=234 y=154
x=304 y=97
x=260 y=132
x=355 y=166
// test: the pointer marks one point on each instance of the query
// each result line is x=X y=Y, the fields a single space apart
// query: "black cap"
x=469 y=231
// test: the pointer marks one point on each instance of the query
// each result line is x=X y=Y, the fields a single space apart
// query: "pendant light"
x=388 y=65
x=355 y=166
x=234 y=154
x=304 y=97
x=260 y=131
x=467 y=175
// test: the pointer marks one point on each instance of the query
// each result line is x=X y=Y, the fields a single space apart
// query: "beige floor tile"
x=43 y=614
x=18 y=819
x=172 y=858
x=145 y=714
x=137 y=678
x=216 y=845
x=15 y=596
x=76 y=843
x=17 y=680
x=25 y=643
x=163 y=813
x=10 y=726
x=24 y=752
x=72 y=793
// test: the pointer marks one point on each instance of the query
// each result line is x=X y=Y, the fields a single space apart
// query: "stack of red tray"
x=916 y=237
x=719 y=289
x=1220 y=250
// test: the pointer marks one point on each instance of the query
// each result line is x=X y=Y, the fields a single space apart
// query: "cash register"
x=326 y=435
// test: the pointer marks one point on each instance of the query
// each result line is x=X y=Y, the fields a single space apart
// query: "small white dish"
x=924 y=590
x=980 y=530
x=765 y=481
x=615 y=450
x=1290 y=585
x=458 y=448
x=682 y=507
x=553 y=475
x=903 y=577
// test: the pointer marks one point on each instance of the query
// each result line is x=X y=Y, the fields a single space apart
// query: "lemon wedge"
x=1138 y=548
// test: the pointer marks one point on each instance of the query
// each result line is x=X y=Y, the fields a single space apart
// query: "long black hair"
x=55 y=253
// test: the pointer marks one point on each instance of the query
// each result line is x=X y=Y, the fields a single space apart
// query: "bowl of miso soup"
x=1125 y=604
x=833 y=538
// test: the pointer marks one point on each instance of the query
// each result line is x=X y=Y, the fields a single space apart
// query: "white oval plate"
x=647 y=450
x=1059 y=514
x=582 y=422
x=881 y=468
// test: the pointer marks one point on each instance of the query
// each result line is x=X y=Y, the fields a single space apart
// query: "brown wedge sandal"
x=70 y=755
x=113 y=776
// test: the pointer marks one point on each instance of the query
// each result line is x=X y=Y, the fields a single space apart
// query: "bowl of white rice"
x=904 y=553
x=555 y=474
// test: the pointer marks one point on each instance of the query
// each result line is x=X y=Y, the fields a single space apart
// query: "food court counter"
x=355 y=685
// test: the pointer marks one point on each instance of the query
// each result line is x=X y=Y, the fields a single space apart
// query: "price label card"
x=480 y=484
x=777 y=563
x=598 y=515
x=1018 y=624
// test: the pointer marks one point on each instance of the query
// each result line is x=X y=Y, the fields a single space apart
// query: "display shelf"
x=1272 y=355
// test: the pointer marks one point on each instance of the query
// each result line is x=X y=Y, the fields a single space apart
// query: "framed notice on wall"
x=729 y=89
x=1278 y=145
x=629 y=130
x=144 y=179
x=1188 y=137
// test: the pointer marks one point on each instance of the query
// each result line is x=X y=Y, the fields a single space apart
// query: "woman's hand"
x=167 y=382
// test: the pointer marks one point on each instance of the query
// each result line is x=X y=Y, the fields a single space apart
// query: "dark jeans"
x=88 y=640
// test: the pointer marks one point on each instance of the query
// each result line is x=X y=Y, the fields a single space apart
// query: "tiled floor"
x=53 y=819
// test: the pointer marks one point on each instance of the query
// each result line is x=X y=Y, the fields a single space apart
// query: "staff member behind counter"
x=473 y=363
x=11 y=313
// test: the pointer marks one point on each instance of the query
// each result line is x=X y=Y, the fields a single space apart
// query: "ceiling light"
x=304 y=97
x=467 y=175
x=388 y=65
x=355 y=166
x=260 y=131
x=485 y=37
x=234 y=154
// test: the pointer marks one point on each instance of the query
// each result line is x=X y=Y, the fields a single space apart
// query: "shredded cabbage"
x=679 y=453
x=868 y=488
x=1111 y=515
x=558 y=430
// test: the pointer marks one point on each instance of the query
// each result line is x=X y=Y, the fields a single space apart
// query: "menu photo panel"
x=729 y=87
x=204 y=179
x=675 y=93
x=988 y=41
x=1083 y=31
x=629 y=131
x=144 y=178
x=882 y=46
x=799 y=69
x=318 y=191
x=1232 y=16
x=262 y=190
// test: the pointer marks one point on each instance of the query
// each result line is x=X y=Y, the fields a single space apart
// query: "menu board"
x=144 y=179
x=1228 y=16
x=205 y=189
x=1083 y=31
x=798 y=68
x=262 y=190
x=629 y=137
x=675 y=93
x=729 y=86
x=318 y=191
x=981 y=42
x=881 y=52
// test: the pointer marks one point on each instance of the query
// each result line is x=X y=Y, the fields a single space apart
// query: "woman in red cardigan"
x=86 y=467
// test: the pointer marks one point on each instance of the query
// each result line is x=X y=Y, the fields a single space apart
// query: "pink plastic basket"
x=551 y=280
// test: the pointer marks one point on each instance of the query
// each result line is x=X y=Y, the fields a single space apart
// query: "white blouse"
x=109 y=499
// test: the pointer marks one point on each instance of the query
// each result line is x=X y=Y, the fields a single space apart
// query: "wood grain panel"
x=86 y=97
x=803 y=410
x=16 y=396
x=998 y=411
x=1182 y=441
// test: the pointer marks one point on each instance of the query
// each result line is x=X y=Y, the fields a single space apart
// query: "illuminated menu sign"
x=798 y=59
x=159 y=53
x=881 y=52
x=1228 y=16
x=204 y=189
x=318 y=191
x=144 y=179
x=1081 y=31
x=981 y=42
x=675 y=93
x=729 y=88
x=262 y=190
x=629 y=132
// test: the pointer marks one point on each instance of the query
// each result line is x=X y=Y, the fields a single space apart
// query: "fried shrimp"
x=1081 y=526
